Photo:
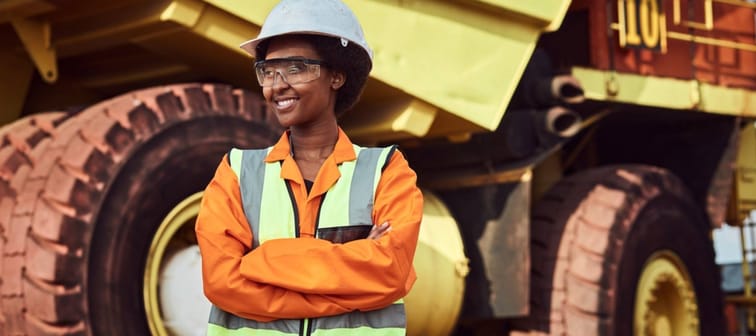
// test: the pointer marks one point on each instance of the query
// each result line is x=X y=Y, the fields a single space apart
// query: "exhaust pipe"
x=548 y=91
x=560 y=121
x=542 y=87
x=524 y=131
x=567 y=89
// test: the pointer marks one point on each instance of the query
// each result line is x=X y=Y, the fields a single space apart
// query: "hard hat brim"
x=249 y=46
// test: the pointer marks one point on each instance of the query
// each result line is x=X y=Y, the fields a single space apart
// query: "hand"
x=379 y=231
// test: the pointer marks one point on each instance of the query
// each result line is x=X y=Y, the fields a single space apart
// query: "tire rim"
x=665 y=303
x=175 y=233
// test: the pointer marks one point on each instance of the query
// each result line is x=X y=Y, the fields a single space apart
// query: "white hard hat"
x=318 y=17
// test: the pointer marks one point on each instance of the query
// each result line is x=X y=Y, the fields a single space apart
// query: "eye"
x=268 y=72
x=295 y=68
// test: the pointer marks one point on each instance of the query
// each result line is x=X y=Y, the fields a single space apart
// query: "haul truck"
x=574 y=156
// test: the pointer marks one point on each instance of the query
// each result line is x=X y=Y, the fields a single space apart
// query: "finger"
x=374 y=232
x=379 y=230
x=383 y=230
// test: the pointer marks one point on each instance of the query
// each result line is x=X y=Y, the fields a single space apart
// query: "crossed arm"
x=304 y=277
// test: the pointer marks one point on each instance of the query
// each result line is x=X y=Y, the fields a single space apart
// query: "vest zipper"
x=305 y=327
x=294 y=207
x=317 y=218
x=309 y=326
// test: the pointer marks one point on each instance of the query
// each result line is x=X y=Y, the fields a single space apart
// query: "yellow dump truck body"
x=457 y=78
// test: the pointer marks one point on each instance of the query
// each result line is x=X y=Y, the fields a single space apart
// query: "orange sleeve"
x=363 y=274
x=224 y=238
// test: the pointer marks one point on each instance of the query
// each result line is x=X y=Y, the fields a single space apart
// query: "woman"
x=290 y=235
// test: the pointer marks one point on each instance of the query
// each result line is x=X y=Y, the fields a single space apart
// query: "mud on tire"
x=81 y=196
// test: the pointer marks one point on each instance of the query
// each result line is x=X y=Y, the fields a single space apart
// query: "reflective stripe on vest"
x=261 y=183
x=363 y=174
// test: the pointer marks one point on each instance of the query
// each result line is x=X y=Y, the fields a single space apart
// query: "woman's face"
x=304 y=104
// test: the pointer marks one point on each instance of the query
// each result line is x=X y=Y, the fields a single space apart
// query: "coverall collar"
x=343 y=151
x=329 y=172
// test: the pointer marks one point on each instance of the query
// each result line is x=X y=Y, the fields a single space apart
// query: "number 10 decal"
x=642 y=24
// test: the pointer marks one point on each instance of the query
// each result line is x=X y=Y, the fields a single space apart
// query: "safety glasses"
x=293 y=70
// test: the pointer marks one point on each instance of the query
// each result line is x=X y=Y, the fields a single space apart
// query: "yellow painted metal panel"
x=747 y=153
x=210 y=23
x=460 y=61
x=745 y=178
x=460 y=58
x=35 y=36
x=400 y=119
x=253 y=11
x=416 y=119
x=548 y=12
x=665 y=92
x=724 y=100
x=185 y=12
x=226 y=30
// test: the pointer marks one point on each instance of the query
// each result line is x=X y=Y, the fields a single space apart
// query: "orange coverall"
x=306 y=277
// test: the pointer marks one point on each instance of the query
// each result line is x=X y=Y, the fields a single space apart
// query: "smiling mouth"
x=284 y=103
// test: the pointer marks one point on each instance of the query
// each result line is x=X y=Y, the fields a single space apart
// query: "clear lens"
x=292 y=70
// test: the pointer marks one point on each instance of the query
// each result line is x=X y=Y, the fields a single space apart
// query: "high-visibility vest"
x=261 y=183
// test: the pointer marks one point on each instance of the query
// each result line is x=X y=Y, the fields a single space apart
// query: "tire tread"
x=54 y=171
x=577 y=229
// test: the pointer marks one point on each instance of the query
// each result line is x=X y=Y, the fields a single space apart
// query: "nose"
x=279 y=83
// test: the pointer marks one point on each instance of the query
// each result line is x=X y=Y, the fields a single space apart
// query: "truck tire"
x=608 y=245
x=19 y=141
x=83 y=194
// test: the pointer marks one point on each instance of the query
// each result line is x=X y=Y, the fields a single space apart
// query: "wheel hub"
x=173 y=298
x=665 y=302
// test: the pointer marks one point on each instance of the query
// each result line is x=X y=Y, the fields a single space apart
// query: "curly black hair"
x=351 y=60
